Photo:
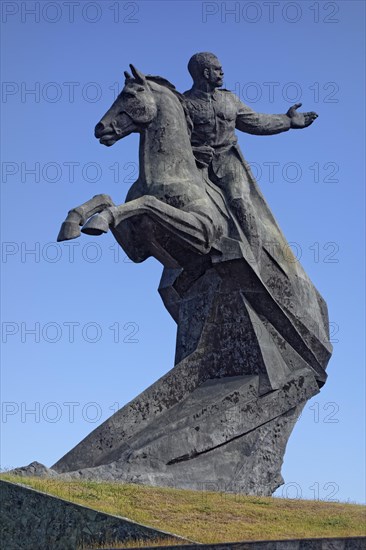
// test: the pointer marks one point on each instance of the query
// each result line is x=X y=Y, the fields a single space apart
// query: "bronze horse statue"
x=170 y=190
x=252 y=326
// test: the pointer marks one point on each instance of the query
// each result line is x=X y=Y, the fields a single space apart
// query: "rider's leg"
x=244 y=213
x=235 y=184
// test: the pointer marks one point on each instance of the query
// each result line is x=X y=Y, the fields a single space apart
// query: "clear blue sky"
x=102 y=334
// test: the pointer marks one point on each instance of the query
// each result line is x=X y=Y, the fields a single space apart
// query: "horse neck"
x=165 y=150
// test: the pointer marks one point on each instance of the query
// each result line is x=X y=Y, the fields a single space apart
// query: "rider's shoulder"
x=227 y=95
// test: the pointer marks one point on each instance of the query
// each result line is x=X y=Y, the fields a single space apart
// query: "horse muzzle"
x=99 y=130
x=106 y=134
x=109 y=133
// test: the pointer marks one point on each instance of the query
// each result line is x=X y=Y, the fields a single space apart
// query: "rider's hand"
x=300 y=120
x=203 y=154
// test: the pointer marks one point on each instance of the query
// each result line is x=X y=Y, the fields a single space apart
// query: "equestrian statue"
x=253 y=332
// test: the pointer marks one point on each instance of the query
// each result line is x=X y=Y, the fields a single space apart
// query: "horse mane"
x=164 y=82
x=160 y=80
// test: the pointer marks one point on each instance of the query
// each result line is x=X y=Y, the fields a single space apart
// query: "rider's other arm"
x=251 y=122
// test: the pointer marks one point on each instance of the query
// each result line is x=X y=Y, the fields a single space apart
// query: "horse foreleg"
x=70 y=229
x=193 y=229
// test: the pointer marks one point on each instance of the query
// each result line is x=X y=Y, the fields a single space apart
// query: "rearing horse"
x=254 y=324
x=170 y=197
x=174 y=213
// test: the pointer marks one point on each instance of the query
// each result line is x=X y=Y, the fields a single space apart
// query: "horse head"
x=132 y=111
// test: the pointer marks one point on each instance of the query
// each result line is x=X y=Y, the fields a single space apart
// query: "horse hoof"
x=96 y=225
x=69 y=230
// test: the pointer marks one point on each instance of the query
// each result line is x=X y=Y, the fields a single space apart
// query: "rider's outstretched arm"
x=251 y=122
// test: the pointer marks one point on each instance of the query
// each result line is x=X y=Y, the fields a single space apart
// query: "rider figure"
x=215 y=113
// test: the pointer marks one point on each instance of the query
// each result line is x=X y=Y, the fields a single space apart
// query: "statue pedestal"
x=221 y=418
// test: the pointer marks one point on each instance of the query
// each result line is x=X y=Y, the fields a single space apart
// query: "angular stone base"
x=246 y=363
x=222 y=437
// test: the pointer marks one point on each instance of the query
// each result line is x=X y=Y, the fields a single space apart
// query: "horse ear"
x=127 y=75
x=138 y=76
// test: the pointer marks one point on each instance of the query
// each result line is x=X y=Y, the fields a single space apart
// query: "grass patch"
x=209 y=517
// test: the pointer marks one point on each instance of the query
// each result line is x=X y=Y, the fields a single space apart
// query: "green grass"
x=209 y=517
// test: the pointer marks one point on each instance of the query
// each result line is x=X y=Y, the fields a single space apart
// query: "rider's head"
x=205 y=68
